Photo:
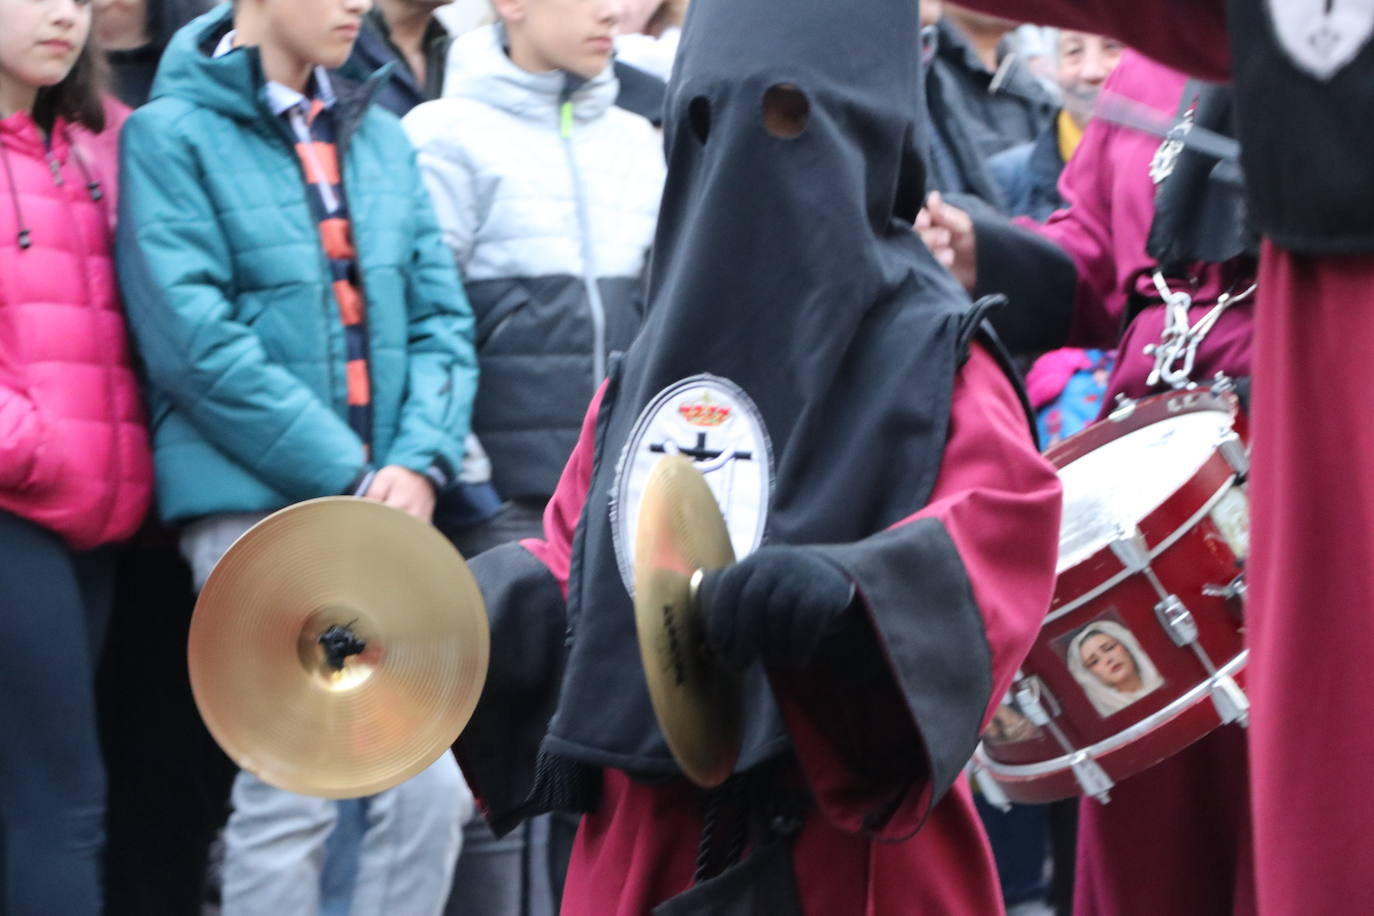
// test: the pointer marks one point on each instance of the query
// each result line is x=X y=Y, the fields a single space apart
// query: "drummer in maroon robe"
x=1303 y=72
x=876 y=470
x=1144 y=214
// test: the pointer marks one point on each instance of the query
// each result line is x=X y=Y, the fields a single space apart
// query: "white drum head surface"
x=1108 y=491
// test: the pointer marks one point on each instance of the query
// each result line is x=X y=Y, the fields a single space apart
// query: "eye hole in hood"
x=786 y=111
x=699 y=117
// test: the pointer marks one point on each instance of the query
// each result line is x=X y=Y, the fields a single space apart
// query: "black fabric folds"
x=1200 y=208
x=1038 y=278
x=522 y=681
x=784 y=262
x=1305 y=138
x=918 y=595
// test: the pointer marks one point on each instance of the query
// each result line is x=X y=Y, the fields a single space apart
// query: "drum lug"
x=1036 y=703
x=1231 y=702
x=1028 y=700
x=1132 y=551
x=992 y=790
x=1091 y=777
x=1123 y=409
x=1222 y=384
x=1177 y=620
x=1234 y=452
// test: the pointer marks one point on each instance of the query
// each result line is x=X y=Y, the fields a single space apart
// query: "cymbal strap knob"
x=339 y=643
x=708 y=651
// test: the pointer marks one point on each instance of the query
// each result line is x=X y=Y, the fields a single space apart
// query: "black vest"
x=1307 y=141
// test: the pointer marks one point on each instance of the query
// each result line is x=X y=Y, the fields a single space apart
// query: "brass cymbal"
x=679 y=534
x=388 y=704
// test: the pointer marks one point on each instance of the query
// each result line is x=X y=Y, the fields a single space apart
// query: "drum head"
x=1110 y=489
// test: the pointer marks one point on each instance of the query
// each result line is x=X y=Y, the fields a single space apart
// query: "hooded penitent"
x=800 y=345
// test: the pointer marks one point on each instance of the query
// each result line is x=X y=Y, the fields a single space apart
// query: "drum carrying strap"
x=1175 y=354
x=1200 y=218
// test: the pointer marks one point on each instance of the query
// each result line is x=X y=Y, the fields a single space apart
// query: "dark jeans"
x=169 y=781
x=1023 y=840
x=517 y=520
x=54 y=605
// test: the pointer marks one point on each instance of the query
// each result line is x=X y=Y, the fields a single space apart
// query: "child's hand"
x=402 y=488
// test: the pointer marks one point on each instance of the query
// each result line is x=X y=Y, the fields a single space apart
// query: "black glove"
x=778 y=603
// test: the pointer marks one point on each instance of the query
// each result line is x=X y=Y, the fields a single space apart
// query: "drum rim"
x=1141 y=414
x=1024 y=772
x=1165 y=543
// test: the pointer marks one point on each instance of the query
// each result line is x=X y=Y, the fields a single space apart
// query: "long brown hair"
x=79 y=98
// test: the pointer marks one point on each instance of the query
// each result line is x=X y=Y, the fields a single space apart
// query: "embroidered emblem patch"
x=1322 y=36
x=1166 y=157
x=712 y=421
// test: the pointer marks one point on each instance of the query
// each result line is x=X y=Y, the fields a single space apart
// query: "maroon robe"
x=1309 y=606
x=999 y=502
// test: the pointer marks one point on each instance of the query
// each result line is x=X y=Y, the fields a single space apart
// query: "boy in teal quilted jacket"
x=276 y=285
x=305 y=334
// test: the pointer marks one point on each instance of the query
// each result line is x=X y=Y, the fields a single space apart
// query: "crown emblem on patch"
x=704 y=412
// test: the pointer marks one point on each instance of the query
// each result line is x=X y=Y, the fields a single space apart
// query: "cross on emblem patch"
x=698 y=453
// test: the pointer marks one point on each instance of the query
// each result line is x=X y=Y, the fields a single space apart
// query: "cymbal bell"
x=338 y=648
x=679 y=535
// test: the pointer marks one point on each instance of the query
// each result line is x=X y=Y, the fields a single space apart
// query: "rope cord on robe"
x=725 y=826
x=748 y=809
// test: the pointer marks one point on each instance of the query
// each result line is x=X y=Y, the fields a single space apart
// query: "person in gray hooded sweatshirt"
x=547 y=194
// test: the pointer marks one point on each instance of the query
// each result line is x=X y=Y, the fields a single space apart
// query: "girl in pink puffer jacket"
x=75 y=471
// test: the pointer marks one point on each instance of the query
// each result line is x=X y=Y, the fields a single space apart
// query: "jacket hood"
x=230 y=85
x=20 y=134
x=233 y=84
x=480 y=69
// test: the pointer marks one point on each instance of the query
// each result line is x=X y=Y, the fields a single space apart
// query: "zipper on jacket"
x=108 y=362
x=589 y=274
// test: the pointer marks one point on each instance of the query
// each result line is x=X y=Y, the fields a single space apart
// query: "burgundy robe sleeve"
x=1085 y=231
x=954 y=595
x=524 y=586
x=1100 y=233
x=1189 y=35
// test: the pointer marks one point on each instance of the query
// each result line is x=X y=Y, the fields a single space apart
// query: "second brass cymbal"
x=338 y=648
x=680 y=534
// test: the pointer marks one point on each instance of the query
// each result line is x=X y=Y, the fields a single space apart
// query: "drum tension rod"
x=1177 y=621
x=1094 y=780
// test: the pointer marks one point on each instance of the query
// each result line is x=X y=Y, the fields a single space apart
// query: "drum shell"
x=1191 y=555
